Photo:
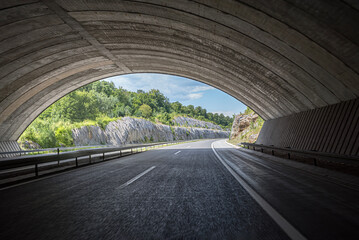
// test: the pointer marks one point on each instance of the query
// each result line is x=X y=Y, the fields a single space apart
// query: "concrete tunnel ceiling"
x=279 y=57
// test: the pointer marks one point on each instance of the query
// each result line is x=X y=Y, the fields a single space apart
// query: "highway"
x=198 y=190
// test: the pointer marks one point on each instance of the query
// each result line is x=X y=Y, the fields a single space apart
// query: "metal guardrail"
x=22 y=161
x=57 y=150
x=337 y=158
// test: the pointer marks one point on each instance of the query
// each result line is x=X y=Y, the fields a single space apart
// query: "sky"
x=183 y=90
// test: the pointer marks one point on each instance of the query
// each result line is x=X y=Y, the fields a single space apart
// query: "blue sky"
x=181 y=89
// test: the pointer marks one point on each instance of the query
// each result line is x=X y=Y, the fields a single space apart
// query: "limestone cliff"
x=246 y=127
x=191 y=122
x=133 y=130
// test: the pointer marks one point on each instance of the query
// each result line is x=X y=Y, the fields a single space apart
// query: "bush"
x=103 y=121
x=63 y=136
x=41 y=132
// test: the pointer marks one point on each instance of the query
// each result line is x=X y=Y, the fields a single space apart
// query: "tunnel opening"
x=80 y=118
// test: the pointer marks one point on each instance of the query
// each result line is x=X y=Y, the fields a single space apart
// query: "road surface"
x=178 y=192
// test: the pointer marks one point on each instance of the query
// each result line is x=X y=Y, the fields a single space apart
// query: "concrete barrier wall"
x=332 y=129
x=9 y=146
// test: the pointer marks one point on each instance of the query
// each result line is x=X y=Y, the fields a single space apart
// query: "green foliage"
x=254 y=128
x=164 y=118
x=146 y=111
x=63 y=135
x=103 y=121
x=40 y=132
x=173 y=131
x=99 y=103
x=248 y=111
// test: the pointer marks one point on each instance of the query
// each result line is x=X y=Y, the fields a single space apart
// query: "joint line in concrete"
x=70 y=21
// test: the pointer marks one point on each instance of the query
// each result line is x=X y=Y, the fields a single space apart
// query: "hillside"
x=100 y=103
x=135 y=130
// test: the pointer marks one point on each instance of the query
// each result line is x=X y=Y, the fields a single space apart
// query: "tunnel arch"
x=278 y=57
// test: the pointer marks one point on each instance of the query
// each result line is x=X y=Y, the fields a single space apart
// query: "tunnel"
x=295 y=63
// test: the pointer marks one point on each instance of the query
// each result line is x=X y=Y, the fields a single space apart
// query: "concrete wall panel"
x=332 y=129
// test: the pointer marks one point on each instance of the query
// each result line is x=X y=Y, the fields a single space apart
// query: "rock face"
x=132 y=130
x=191 y=122
x=29 y=145
x=241 y=125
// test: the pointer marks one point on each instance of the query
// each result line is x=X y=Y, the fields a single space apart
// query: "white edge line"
x=137 y=177
x=279 y=219
x=232 y=144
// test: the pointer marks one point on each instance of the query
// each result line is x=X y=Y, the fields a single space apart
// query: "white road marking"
x=279 y=219
x=177 y=152
x=188 y=146
x=232 y=144
x=137 y=177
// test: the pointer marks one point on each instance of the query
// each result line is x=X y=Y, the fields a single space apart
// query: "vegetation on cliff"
x=99 y=103
x=246 y=127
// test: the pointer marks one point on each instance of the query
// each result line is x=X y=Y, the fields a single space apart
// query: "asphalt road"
x=319 y=203
x=177 y=192
x=183 y=192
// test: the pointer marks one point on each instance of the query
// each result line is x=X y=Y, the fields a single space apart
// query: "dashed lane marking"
x=137 y=177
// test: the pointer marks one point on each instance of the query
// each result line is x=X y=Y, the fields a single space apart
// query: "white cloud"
x=172 y=87
x=201 y=88
x=193 y=96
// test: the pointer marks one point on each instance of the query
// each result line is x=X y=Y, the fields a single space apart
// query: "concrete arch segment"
x=278 y=57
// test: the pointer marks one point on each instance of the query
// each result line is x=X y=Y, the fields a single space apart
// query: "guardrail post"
x=58 y=151
x=261 y=149
x=273 y=152
x=288 y=155
x=120 y=153
x=90 y=158
x=315 y=162
x=36 y=170
x=77 y=163
x=103 y=156
x=131 y=151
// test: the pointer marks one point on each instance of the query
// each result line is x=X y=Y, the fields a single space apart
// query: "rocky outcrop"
x=132 y=130
x=29 y=145
x=241 y=126
x=191 y=122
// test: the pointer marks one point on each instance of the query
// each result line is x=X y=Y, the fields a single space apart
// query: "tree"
x=76 y=107
x=190 y=110
x=105 y=87
x=157 y=101
x=176 y=107
x=146 y=111
x=210 y=116
x=197 y=111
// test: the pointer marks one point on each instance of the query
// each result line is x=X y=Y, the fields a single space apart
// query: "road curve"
x=177 y=192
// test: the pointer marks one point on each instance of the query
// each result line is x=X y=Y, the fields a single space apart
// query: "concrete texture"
x=332 y=129
x=280 y=57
